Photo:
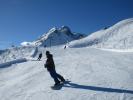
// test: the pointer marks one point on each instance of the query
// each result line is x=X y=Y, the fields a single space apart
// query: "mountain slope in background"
x=17 y=53
x=119 y=36
x=55 y=36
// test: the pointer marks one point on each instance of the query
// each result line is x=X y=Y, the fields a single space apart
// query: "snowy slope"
x=95 y=75
x=54 y=37
x=17 y=53
x=119 y=36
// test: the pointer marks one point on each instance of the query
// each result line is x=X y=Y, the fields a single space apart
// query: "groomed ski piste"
x=94 y=74
x=98 y=70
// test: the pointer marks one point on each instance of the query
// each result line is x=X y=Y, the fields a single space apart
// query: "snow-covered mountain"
x=55 y=36
x=119 y=36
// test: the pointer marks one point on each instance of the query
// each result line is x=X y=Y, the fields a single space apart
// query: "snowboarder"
x=51 y=69
x=40 y=56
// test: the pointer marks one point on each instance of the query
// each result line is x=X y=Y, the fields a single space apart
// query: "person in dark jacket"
x=40 y=56
x=51 y=69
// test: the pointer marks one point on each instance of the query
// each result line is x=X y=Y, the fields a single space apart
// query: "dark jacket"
x=50 y=62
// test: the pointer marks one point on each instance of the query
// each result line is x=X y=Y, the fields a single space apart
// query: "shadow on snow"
x=95 y=88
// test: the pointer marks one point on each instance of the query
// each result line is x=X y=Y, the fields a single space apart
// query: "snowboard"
x=59 y=86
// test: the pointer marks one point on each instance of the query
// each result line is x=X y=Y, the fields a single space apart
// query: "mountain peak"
x=55 y=36
x=54 y=29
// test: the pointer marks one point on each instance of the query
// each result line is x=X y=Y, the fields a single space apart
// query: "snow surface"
x=119 y=36
x=94 y=74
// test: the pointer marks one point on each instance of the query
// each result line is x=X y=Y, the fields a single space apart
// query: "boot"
x=57 y=83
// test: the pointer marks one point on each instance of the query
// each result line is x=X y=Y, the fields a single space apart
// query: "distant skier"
x=40 y=56
x=65 y=47
x=51 y=69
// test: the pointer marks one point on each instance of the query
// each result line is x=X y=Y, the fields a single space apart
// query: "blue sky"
x=26 y=20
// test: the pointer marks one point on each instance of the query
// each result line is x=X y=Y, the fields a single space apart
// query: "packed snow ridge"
x=17 y=53
x=119 y=36
x=55 y=36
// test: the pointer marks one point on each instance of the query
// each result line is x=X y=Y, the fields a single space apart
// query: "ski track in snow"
x=93 y=74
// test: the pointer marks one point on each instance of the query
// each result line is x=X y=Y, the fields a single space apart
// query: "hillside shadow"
x=10 y=63
x=2 y=67
x=35 y=60
x=95 y=88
